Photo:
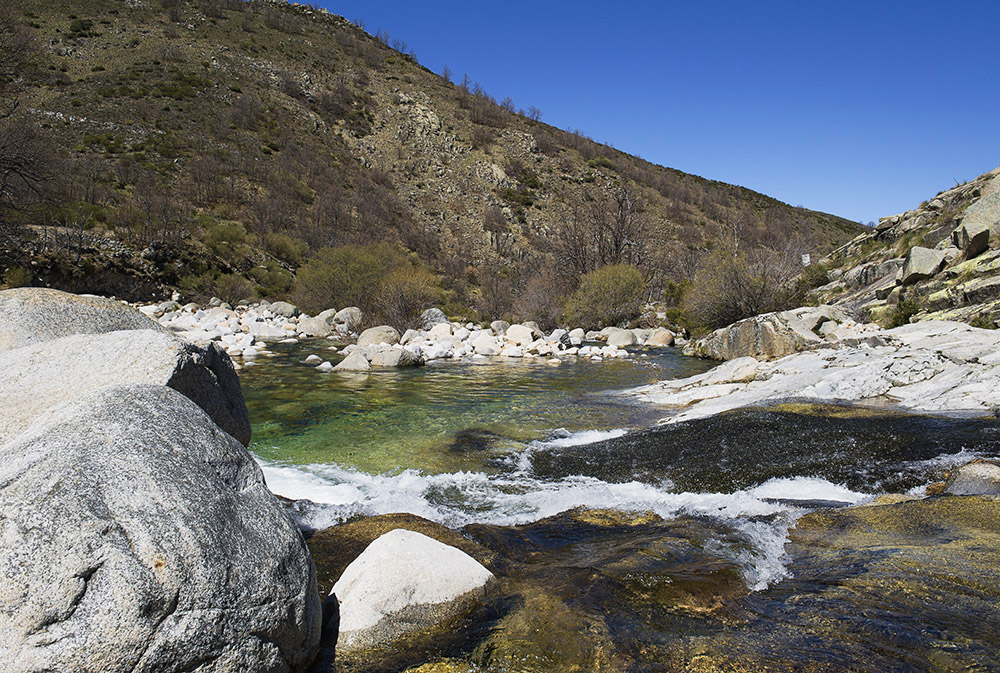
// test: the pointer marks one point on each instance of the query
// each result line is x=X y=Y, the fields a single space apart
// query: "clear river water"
x=706 y=543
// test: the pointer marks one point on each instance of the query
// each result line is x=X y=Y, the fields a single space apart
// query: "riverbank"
x=932 y=366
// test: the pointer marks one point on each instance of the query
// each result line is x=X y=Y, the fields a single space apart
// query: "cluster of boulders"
x=244 y=332
x=773 y=335
x=440 y=339
x=137 y=532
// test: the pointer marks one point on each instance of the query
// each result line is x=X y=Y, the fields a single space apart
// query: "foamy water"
x=461 y=498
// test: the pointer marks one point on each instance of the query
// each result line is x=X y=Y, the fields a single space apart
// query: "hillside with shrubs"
x=268 y=150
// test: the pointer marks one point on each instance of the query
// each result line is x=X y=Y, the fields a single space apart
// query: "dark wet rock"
x=138 y=536
x=39 y=376
x=865 y=449
x=32 y=315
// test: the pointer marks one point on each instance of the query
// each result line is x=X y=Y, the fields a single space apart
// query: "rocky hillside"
x=939 y=261
x=218 y=146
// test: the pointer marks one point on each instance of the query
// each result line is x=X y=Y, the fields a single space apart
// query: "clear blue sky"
x=862 y=109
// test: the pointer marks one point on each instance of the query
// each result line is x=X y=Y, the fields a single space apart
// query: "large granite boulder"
x=354 y=362
x=283 y=308
x=139 y=537
x=621 y=337
x=396 y=357
x=980 y=477
x=770 y=335
x=431 y=317
x=402 y=583
x=972 y=237
x=30 y=315
x=519 y=335
x=921 y=264
x=42 y=375
x=320 y=326
x=351 y=318
x=383 y=334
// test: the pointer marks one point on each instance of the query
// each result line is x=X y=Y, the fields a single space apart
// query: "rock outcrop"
x=137 y=536
x=930 y=366
x=402 y=583
x=938 y=261
x=39 y=376
x=32 y=315
x=774 y=335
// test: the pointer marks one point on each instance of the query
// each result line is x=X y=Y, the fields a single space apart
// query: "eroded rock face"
x=40 y=376
x=31 y=315
x=139 y=537
x=404 y=582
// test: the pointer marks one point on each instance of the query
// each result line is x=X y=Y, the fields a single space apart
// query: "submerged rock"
x=40 y=376
x=137 y=536
x=402 y=583
x=32 y=315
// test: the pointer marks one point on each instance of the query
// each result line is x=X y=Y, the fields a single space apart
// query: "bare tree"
x=25 y=157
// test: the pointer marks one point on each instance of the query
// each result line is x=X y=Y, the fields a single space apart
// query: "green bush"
x=284 y=247
x=232 y=288
x=381 y=279
x=610 y=295
x=17 y=276
x=732 y=286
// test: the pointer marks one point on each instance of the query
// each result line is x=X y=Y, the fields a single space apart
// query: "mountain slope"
x=205 y=143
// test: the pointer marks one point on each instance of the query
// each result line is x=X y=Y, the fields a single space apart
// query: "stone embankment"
x=931 y=366
x=245 y=332
x=138 y=533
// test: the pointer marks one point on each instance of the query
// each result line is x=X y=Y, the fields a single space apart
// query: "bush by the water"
x=386 y=282
x=608 y=296
x=733 y=285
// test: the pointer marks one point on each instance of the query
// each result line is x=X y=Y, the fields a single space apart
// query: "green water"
x=445 y=417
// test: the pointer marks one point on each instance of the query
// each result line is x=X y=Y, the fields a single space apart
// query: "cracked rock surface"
x=930 y=366
x=136 y=535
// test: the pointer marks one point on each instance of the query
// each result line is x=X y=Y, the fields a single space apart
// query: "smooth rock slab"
x=40 y=376
x=405 y=582
x=31 y=315
x=138 y=537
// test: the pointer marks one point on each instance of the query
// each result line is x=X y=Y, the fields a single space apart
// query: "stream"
x=631 y=546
